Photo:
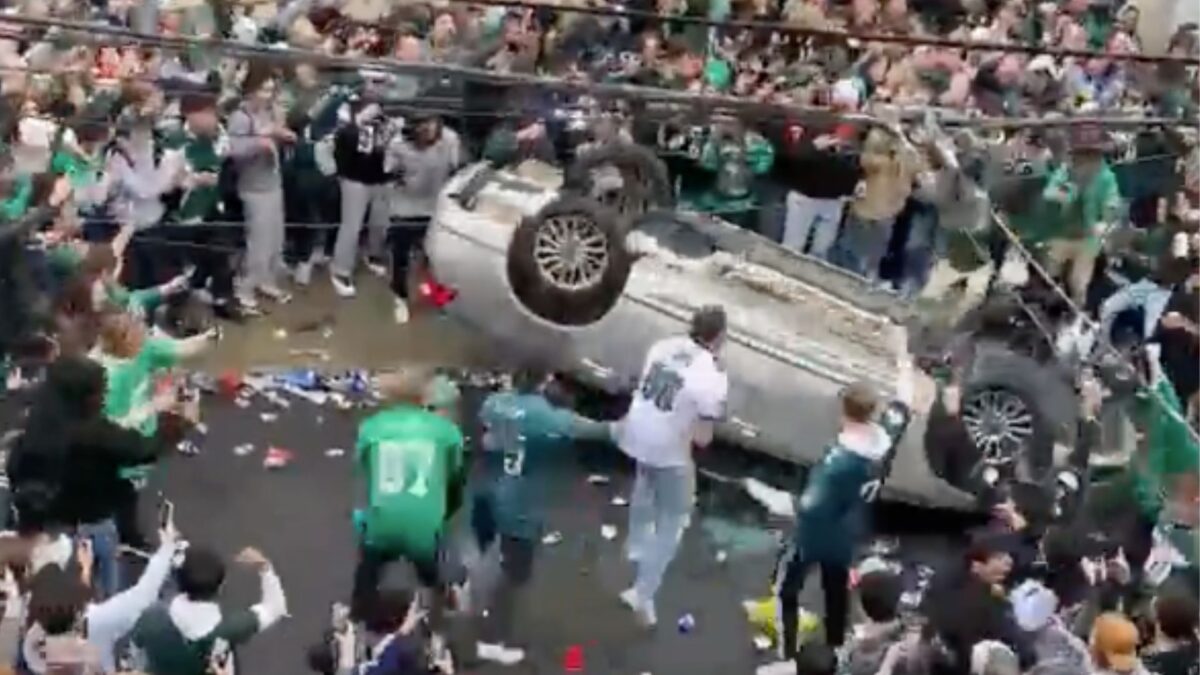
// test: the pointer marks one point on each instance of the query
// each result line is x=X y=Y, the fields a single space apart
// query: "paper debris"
x=280 y=334
x=608 y=531
x=243 y=449
x=619 y=501
x=335 y=452
x=777 y=502
x=722 y=556
x=598 y=479
x=552 y=538
x=268 y=416
x=317 y=397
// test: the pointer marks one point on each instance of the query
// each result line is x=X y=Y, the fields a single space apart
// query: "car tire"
x=640 y=170
x=567 y=297
x=1031 y=400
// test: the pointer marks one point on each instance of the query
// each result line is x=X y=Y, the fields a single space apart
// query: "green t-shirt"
x=138 y=303
x=409 y=457
x=202 y=154
x=18 y=202
x=131 y=384
x=1077 y=216
x=163 y=650
x=1171 y=448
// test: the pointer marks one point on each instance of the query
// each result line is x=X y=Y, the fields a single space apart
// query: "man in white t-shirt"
x=680 y=396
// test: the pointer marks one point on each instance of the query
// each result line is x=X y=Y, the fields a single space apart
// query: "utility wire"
x=597 y=90
x=842 y=35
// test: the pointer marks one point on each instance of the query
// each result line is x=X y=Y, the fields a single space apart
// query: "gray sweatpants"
x=264 y=237
x=356 y=198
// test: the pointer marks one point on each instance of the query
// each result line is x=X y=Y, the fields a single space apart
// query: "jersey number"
x=661 y=386
x=404 y=466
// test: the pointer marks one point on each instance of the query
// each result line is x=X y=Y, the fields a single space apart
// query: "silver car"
x=581 y=268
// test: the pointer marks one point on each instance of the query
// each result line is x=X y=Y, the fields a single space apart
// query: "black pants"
x=516 y=567
x=369 y=573
x=835 y=578
x=309 y=199
x=407 y=235
x=210 y=249
x=158 y=253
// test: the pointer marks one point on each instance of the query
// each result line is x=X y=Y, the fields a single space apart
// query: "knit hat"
x=1115 y=641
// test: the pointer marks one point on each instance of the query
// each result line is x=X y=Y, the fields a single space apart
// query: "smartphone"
x=166 y=513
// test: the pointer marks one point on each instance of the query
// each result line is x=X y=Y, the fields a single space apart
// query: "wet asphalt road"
x=300 y=515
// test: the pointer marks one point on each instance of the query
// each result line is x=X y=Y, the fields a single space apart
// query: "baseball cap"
x=1115 y=640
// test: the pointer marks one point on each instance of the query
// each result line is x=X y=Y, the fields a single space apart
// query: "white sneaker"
x=342 y=285
x=376 y=266
x=401 y=311
x=248 y=302
x=275 y=293
x=643 y=610
x=498 y=653
x=777 y=668
x=302 y=274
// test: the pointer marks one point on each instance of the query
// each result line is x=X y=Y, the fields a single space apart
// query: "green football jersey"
x=409 y=457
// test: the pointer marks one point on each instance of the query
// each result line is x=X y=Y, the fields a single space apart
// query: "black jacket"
x=820 y=174
x=969 y=612
x=70 y=452
x=358 y=151
x=97 y=450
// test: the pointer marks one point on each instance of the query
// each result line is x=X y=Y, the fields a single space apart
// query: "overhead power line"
x=843 y=35
x=714 y=102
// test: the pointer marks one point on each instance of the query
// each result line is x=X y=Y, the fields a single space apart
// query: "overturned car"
x=590 y=265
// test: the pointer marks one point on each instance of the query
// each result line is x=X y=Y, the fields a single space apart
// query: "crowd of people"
x=138 y=176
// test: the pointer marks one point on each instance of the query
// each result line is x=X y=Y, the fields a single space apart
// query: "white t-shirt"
x=681 y=385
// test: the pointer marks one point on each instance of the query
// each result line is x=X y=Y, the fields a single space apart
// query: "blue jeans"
x=106 y=572
x=920 y=251
x=862 y=244
x=1144 y=294
x=658 y=511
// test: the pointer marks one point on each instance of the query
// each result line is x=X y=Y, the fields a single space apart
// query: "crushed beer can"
x=686 y=623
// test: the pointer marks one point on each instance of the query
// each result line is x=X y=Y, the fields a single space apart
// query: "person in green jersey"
x=524 y=437
x=411 y=456
x=133 y=362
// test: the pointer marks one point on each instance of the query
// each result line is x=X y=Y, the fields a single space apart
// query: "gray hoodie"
x=257 y=166
x=865 y=651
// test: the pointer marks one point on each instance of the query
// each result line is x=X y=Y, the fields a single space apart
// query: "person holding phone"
x=191 y=634
x=67 y=627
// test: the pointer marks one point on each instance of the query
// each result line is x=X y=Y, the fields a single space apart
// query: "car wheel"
x=628 y=179
x=1014 y=410
x=568 y=264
